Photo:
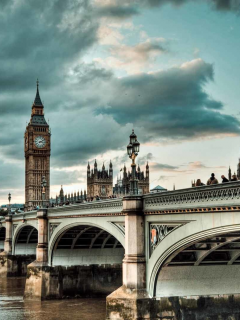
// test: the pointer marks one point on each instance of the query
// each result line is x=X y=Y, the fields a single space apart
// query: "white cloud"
x=109 y=36
x=134 y=59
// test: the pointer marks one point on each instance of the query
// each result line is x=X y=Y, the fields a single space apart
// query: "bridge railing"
x=21 y=216
x=223 y=196
x=92 y=208
x=102 y=207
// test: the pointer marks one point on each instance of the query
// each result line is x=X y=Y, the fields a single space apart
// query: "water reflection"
x=12 y=306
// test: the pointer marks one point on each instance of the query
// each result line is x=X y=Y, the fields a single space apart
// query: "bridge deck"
x=219 y=197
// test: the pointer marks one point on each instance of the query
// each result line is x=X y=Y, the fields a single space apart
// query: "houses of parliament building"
x=100 y=184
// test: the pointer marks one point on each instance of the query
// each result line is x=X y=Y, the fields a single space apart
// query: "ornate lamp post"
x=43 y=185
x=133 y=150
x=9 y=201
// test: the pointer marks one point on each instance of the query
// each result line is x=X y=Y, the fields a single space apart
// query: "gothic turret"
x=229 y=174
x=238 y=169
x=88 y=170
x=95 y=166
x=110 y=169
x=61 y=195
x=147 y=171
x=124 y=172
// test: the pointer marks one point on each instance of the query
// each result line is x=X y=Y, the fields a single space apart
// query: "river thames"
x=13 y=307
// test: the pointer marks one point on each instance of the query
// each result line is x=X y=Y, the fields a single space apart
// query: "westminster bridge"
x=171 y=255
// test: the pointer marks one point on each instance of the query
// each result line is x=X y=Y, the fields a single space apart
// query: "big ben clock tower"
x=37 y=145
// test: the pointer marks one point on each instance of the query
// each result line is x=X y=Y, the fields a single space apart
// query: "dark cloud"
x=171 y=104
x=90 y=74
x=161 y=166
x=85 y=135
x=62 y=177
x=40 y=37
x=146 y=158
x=11 y=175
x=230 y=5
x=126 y=8
x=120 y=11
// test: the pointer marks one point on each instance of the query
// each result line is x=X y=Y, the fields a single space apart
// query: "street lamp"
x=133 y=150
x=9 y=200
x=43 y=185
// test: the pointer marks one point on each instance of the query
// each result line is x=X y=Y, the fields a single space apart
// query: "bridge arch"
x=25 y=239
x=2 y=237
x=69 y=242
x=190 y=234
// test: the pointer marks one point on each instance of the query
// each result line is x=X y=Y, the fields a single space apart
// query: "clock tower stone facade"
x=37 y=146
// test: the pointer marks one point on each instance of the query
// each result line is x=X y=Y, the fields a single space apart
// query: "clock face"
x=26 y=141
x=40 y=142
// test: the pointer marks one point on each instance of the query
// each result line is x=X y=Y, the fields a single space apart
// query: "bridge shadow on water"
x=13 y=307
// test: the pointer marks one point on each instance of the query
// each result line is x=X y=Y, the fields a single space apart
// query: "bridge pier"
x=131 y=301
x=38 y=272
x=8 y=262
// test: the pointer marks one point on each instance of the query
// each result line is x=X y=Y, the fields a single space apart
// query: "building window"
x=103 y=191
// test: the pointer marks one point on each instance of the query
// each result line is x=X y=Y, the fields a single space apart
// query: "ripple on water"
x=12 y=306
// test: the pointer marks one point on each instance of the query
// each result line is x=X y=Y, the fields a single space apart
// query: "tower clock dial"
x=40 y=142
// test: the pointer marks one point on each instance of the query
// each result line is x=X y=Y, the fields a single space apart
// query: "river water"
x=13 y=307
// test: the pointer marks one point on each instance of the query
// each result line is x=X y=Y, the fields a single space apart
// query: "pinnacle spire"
x=37 y=101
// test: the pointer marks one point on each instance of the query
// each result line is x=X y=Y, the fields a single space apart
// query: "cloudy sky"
x=168 y=68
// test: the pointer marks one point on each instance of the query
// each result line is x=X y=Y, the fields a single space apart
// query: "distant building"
x=158 y=189
x=122 y=187
x=62 y=198
x=99 y=182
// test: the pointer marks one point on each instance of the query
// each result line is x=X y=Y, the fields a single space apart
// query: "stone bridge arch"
x=222 y=228
x=104 y=236
x=2 y=237
x=25 y=239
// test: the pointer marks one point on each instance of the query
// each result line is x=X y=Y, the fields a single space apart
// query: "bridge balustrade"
x=217 y=197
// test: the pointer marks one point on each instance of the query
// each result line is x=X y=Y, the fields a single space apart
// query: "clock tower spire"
x=37 y=155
